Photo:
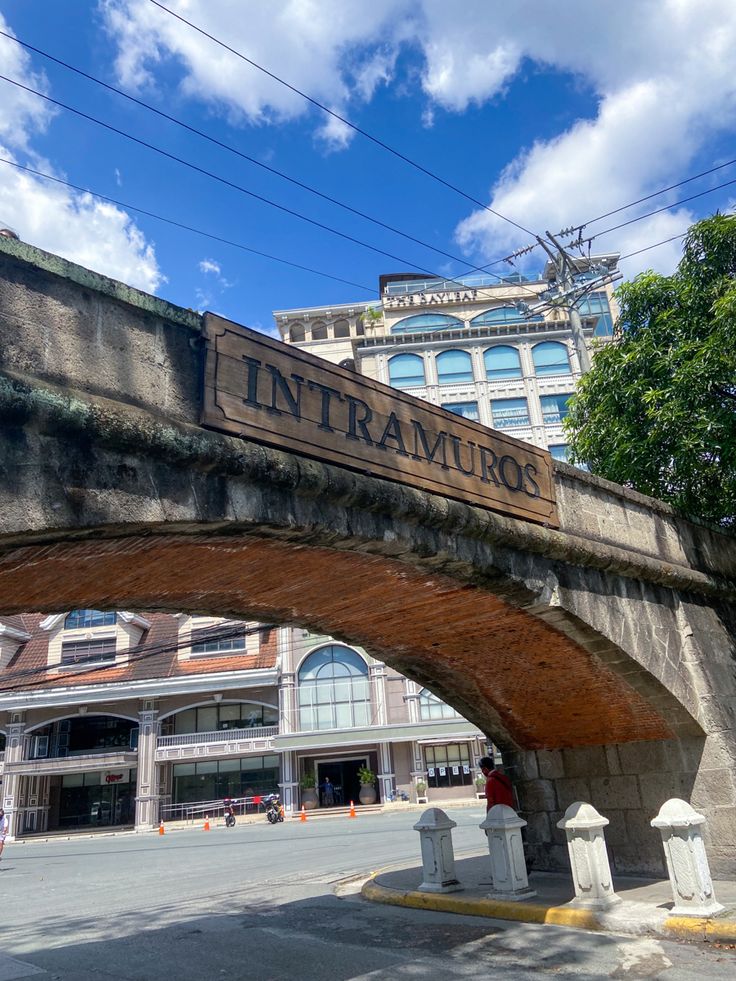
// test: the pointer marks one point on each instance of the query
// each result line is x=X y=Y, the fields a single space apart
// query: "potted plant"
x=367 y=786
x=310 y=798
x=480 y=786
x=420 y=787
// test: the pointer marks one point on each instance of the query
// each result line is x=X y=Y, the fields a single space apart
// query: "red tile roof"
x=155 y=656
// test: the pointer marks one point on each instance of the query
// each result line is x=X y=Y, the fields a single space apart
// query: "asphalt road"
x=259 y=902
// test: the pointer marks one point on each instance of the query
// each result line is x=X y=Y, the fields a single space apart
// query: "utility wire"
x=264 y=166
x=234 y=150
x=675 y=204
x=179 y=224
x=342 y=119
x=140 y=652
x=239 y=187
x=211 y=175
x=662 y=190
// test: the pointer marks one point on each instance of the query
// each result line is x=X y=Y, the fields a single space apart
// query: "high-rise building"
x=470 y=345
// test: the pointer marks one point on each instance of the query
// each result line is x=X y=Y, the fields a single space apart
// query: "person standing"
x=498 y=786
x=4 y=826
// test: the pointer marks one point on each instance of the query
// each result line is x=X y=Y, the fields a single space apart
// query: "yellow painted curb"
x=523 y=912
x=701 y=928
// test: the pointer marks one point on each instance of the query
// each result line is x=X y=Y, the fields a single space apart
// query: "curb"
x=712 y=930
x=525 y=912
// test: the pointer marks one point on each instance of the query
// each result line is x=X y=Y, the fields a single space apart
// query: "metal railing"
x=217 y=736
x=198 y=810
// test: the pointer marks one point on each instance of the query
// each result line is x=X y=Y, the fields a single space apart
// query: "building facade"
x=119 y=718
x=469 y=345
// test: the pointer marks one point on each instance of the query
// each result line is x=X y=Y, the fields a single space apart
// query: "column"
x=147 y=799
x=288 y=784
x=411 y=698
x=14 y=746
x=377 y=676
x=386 y=775
x=503 y=827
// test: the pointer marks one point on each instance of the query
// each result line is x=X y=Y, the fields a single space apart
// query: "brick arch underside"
x=519 y=679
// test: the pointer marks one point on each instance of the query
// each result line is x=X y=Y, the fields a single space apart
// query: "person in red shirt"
x=498 y=785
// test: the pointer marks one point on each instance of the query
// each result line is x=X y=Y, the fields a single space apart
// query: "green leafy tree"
x=657 y=411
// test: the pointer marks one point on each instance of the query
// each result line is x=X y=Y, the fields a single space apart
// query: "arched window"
x=296 y=332
x=89 y=618
x=501 y=362
x=431 y=707
x=333 y=689
x=454 y=367
x=426 y=322
x=503 y=315
x=551 y=358
x=342 y=328
x=319 y=330
x=406 y=371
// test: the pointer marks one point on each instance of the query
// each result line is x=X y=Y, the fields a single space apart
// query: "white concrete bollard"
x=438 y=857
x=508 y=866
x=687 y=864
x=586 y=844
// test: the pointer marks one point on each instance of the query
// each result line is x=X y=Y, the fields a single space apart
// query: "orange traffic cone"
x=303 y=815
x=161 y=828
x=206 y=822
x=352 y=810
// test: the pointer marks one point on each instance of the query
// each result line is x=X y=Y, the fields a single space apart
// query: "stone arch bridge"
x=599 y=655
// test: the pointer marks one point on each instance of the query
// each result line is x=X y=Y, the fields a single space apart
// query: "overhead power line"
x=239 y=187
x=346 y=122
x=655 y=194
x=273 y=170
x=188 y=228
x=658 y=211
x=232 y=149
x=212 y=176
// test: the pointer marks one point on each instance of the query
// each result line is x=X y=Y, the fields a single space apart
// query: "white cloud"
x=662 y=73
x=332 y=49
x=74 y=225
x=209 y=266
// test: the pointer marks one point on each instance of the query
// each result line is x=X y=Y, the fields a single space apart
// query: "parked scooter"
x=229 y=815
x=274 y=808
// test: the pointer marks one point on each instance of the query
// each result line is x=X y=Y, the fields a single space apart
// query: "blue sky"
x=551 y=114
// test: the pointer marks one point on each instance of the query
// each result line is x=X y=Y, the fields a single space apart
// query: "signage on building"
x=115 y=776
x=423 y=299
x=260 y=389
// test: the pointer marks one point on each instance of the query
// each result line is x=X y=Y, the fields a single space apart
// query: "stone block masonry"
x=599 y=656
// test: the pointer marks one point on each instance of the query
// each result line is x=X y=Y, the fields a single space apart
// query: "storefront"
x=95 y=799
x=208 y=780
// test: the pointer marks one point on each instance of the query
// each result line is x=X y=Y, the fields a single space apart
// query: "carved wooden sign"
x=273 y=393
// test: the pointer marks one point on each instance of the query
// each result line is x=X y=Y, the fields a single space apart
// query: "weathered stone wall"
x=578 y=643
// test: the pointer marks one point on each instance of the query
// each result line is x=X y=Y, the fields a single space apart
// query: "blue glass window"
x=406 y=370
x=88 y=618
x=558 y=451
x=427 y=321
x=502 y=361
x=508 y=413
x=503 y=315
x=333 y=689
x=468 y=410
x=554 y=408
x=551 y=358
x=454 y=367
x=431 y=707
x=596 y=305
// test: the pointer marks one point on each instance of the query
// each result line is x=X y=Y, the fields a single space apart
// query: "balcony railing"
x=219 y=736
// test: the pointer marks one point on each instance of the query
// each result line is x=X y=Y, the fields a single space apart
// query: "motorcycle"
x=274 y=809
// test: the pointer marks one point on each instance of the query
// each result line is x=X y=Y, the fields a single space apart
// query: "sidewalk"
x=644 y=908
